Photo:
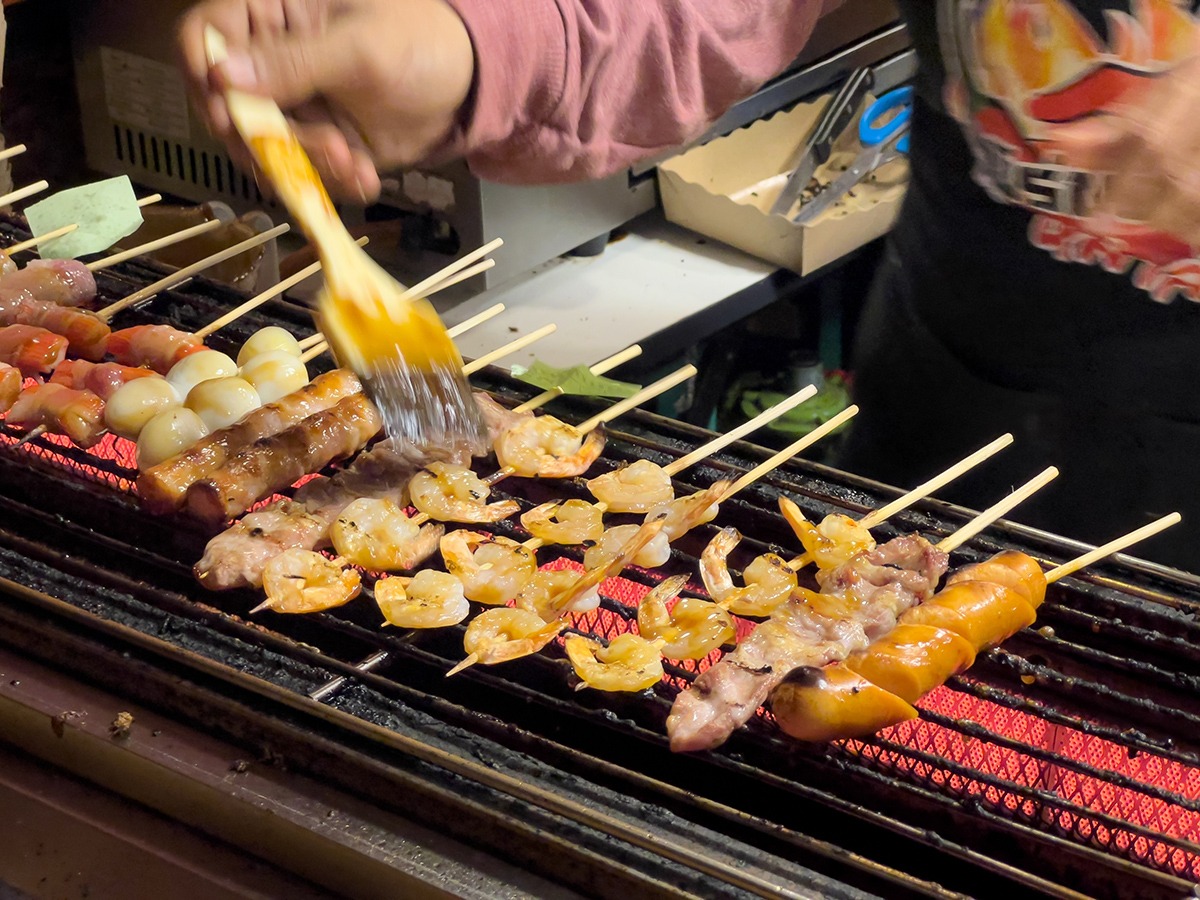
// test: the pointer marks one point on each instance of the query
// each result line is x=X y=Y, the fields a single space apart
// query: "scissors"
x=837 y=116
x=882 y=144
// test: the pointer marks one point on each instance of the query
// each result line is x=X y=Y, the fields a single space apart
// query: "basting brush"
x=392 y=338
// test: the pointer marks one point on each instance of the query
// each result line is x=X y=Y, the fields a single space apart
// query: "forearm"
x=574 y=89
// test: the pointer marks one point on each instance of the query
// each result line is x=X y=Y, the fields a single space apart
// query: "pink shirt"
x=574 y=89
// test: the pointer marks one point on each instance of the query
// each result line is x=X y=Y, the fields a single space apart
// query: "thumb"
x=290 y=69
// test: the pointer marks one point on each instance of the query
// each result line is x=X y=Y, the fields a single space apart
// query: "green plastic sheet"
x=105 y=211
x=575 y=380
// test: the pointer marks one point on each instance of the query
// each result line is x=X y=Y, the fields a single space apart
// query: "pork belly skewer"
x=34 y=351
x=10 y=386
x=860 y=600
x=275 y=462
x=237 y=557
x=982 y=605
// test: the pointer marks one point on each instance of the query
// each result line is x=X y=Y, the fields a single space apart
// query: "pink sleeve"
x=574 y=89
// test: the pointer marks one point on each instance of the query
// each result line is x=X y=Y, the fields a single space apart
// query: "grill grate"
x=1044 y=758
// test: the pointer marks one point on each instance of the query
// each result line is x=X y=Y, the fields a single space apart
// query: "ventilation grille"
x=214 y=173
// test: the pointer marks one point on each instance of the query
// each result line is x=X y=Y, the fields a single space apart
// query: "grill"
x=1066 y=763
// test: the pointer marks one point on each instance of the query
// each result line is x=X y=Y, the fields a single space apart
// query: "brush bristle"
x=411 y=370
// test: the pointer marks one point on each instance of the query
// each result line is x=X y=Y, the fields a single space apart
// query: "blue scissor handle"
x=871 y=134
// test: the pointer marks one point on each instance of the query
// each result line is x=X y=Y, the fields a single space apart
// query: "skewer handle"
x=1114 y=546
x=478 y=319
x=724 y=440
x=605 y=365
x=653 y=390
x=41 y=238
x=511 y=347
x=421 y=288
x=938 y=481
x=151 y=246
x=269 y=294
x=21 y=193
x=996 y=510
x=778 y=459
x=14 y=150
x=178 y=276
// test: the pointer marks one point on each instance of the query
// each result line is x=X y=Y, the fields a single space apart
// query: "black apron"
x=971 y=331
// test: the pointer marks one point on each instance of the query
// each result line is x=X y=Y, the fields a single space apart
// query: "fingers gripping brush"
x=390 y=337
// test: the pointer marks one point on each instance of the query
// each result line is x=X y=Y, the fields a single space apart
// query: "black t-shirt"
x=1000 y=261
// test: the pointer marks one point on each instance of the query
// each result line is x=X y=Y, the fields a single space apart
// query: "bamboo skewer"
x=997 y=510
x=1114 y=546
x=150 y=246
x=269 y=294
x=423 y=288
x=21 y=193
x=311 y=341
x=478 y=319
x=511 y=347
x=14 y=150
x=920 y=492
x=64 y=230
x=778 y=459
x=649 y=392
x=605 y=365
x=175 y=278
x=724 y=440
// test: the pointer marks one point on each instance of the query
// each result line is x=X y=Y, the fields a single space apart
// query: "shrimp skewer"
x=503 y=634
x=430 y=599
x=692 y=629
x=838 y=537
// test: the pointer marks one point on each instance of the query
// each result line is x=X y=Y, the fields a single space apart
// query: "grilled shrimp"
x=501 y=634
x=430 y=599
x=831 y=543
x=628 y=663
x=376 y=534
x=546 y=447
x=301 y=581
x=565 y=522
x=636 y=488
x=547 y=585
x=691 y=630
x=768 y=580
x=654 y=554
x=685 y=513
x=452 y=493
x=492 y=569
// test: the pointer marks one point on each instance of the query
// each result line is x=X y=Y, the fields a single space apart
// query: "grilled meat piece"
x=10 y=386
x=77 y=414
x=102 y=379
x=66 y=282
x=86 y=333
x=33 y=350
x=163 y=487
x=280 y=460
x=157 y=347
x=867 y=594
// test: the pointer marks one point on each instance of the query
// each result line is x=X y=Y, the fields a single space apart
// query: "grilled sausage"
x=982 y=605
x=280 y=460
x=164 y=487
x=827 y=704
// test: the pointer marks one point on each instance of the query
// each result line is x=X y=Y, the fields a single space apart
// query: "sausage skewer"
x=981 y=605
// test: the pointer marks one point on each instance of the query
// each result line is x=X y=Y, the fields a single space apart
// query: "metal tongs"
x=834 y=120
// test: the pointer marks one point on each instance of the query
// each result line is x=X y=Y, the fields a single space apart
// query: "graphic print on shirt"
x=1019 y=69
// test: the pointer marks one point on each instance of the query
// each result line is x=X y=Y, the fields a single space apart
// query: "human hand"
x=367 y=84
x=1149 y=144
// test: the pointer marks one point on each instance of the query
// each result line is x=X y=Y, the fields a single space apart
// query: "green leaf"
x=576 y=380
x=105 y=212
